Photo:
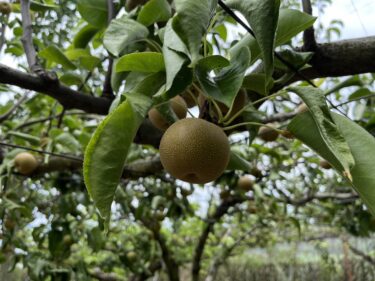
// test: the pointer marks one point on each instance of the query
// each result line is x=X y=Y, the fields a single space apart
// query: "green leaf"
x=173 y=52
x=29 y=138
x=122 y=34
x=236 y=162
x=94 y=12
x=262 y=16
x=106 y=152
x=40 y=7
x=154 y=11
x=290 y=23
x=226 y=84
x=351 y=81
x=362 y=146
x=54 y=54
x=360 y=93
x=84 y=36
x=297 y=59
x=334 y=142
x=255 y=82
x=141 y=62
x=70 y=78
x=191 y=23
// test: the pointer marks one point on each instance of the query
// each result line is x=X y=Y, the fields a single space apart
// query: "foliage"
x=100 y=203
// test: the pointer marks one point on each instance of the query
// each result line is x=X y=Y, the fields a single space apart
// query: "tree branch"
x=221 y=210
x=341 y=58
x=27 y=39
x=7 y=114
x=66 y=96
x=309 y=43
x=2 y=36
x=364 y=256
x=107 y=88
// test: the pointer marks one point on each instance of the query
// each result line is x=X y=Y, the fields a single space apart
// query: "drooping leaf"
x=106 y=152
x=154 y=11
x=297 y=59
x=141 y=62
x=262 y=16
x=333 y=140
x=362 y=147
x=191 y=22
x=54 y=54
x=123 y=33
x=225 y=85
x=84 y=36
x=94 y=12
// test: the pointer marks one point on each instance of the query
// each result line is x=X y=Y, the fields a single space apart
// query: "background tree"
x=70 y=63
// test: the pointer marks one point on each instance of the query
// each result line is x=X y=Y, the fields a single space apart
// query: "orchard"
x=184 y=140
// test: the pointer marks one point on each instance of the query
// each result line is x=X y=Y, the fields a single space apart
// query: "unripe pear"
x=325 y=164
x=245 y=183
x=5 y=8
x=194 y=150
x=268 y=134
x=25 y=163
x=179 y=107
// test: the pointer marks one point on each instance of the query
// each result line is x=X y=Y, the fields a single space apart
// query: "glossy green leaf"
x=362 y=146
x=106 y=152
x=141 y=62
x=360 y=93
x=191 y=23
x=154 y=11
x=122 y=33
x=84 y=36
x=54 y=54
x=351 y=81
x=173 y=52
x=236 y=162
x=290 y=23
x=262 y=16
x=41 y=7
x=94 y=12
x=297 y=59
x=70 y=78
x=333 y=140
x=255 y=82
x=226 y=84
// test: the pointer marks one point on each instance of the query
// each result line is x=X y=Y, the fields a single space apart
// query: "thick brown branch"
x=66 y=96
x=341 y=58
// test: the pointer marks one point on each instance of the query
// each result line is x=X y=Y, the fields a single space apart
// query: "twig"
x=364 y=256
x=7 y=114
x=42 y=151
x=309 y=42
x=2 y=36
x=221 y=210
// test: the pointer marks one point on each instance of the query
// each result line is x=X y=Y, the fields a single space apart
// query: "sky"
x=358 y=17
